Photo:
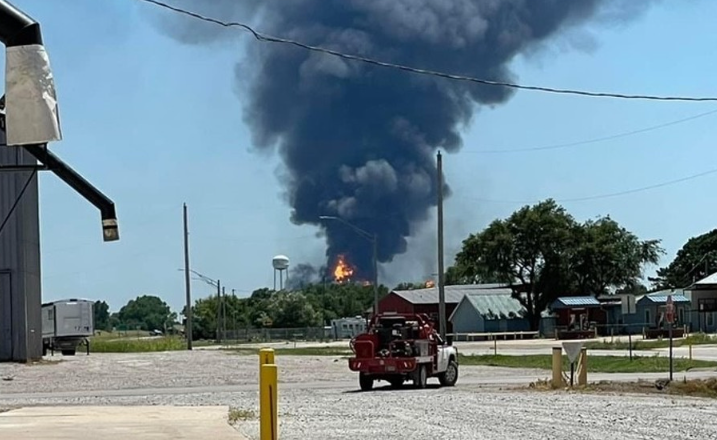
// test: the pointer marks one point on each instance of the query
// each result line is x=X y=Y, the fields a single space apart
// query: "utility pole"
x=375 y=274
x=219 y=310
x=224 y=313
x=187 y=283
x=235 y=305
x=441 y=287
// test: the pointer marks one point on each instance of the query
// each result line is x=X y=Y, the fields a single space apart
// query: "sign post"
x=670 y=319
x=628 y=307
x=572 y=349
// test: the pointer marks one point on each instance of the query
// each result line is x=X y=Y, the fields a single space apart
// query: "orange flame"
x=430 y=284
x=342 y=271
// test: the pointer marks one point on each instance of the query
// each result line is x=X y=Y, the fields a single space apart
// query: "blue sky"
x=154 y=123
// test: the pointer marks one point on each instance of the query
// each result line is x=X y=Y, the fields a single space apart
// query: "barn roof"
x=496 y=306
x=660 y=297
x=454 y=294
x=575 y=301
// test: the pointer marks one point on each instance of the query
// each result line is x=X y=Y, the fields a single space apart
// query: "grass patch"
x=596 y=364
x=137 y=345
x=239 y=415
x=698 y=388
x=303 y=351
x=695 y=339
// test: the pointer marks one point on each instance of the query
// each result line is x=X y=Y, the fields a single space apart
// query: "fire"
x=430 y=284
x=343 y=271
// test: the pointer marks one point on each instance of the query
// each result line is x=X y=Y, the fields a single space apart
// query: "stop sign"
x=670 y=309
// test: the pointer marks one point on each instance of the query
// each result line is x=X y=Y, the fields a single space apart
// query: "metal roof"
x=707 y=281
x=660 y=297
x=496 y=306
x=454 y=294
x=578 y=301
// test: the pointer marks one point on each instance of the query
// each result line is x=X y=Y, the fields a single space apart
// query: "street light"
x=374 y=241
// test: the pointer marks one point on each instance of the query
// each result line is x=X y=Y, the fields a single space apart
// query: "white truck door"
x=442 y=358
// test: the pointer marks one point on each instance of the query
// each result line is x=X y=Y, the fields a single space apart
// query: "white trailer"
x=66 y=324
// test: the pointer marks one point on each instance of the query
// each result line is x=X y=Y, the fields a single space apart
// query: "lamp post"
x=374 y=241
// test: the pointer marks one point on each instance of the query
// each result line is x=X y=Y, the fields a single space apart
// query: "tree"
x=101 y=312
x=607 y=255
x=527 y=251
x=696 y=260
x=148 y=313
x=543 y=253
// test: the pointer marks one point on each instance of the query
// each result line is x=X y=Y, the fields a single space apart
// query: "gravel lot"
x=318 y=399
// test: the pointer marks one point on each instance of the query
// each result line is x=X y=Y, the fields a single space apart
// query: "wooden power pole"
x=187 y=283
x=441 y=287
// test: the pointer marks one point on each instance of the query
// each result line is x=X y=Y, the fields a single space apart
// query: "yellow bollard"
x=557 y=367
x=268 y=399
x=583 y=372
x=266 y=356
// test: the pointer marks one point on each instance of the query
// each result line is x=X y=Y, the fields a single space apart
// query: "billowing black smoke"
x=359 y=141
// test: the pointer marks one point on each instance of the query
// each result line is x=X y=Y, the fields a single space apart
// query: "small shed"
x=578 y=316
x=488 y=312
x=650 y=310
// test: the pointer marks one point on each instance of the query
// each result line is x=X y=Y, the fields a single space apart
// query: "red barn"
x=426 y=300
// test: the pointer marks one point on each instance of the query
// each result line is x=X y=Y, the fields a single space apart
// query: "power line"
x=589 y=141
x=271 y=39
x=609 y=195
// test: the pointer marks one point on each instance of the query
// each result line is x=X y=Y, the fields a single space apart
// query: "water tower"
x=281 y=264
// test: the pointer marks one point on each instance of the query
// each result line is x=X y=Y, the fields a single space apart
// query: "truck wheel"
x=365 y=382
x=421 y=378
x=449 y=377
x=68 y=352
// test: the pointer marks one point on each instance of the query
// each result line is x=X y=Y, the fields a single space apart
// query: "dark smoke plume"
x=359 y=141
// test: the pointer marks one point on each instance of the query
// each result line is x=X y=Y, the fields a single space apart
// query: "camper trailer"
x=66 y=324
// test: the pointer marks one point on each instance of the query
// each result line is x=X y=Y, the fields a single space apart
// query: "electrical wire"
x=609 y=195
x=589 y=141
x=17 y=200
x=272 y=39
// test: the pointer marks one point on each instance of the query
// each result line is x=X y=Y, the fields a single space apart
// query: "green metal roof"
x=496 y=306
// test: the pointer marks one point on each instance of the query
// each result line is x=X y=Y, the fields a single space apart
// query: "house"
x=426 y=300
x=703 y=300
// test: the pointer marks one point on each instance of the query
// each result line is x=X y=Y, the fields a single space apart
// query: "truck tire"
x=449 y=377
x=421 y=378
x=68 y=352
x=365 y=382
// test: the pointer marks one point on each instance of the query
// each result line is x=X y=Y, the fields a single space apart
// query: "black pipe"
x=16 y=27
x=82 y=186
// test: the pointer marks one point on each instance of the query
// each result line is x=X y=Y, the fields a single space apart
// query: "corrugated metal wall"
x=20 y=290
